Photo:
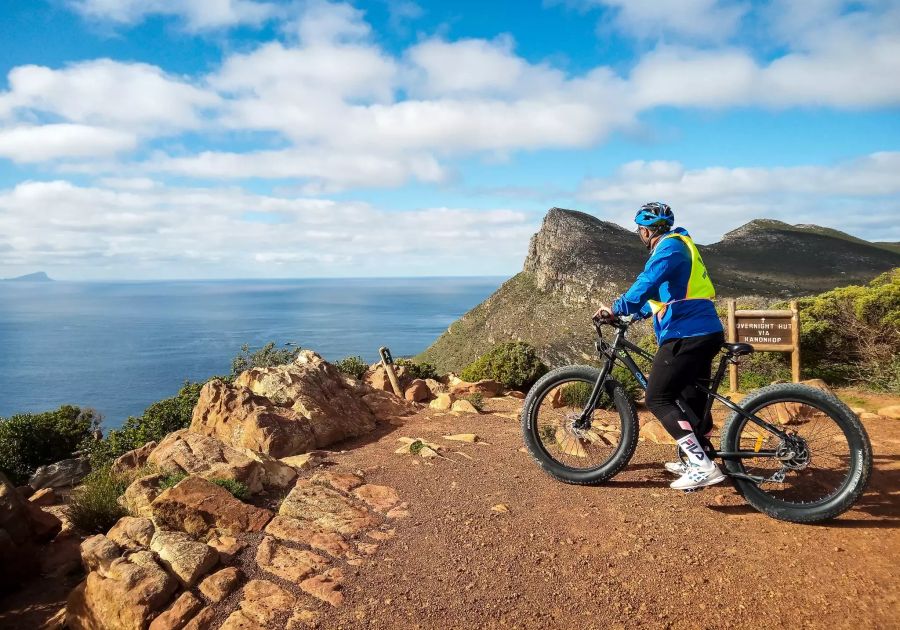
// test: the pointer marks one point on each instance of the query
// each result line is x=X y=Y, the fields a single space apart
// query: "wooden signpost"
x=766 y=331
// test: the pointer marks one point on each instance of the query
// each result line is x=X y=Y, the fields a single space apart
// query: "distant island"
x=38 y=276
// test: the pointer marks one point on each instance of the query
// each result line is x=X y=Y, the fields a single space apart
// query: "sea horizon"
x=117 y=346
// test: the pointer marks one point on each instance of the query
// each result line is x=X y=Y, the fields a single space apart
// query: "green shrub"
x=30 y=440
x=417 y=370
x=477 y=400
x=514 y=364
x=852 y=334
x=157 y=421
x=171 y=480
x=352 y=366
x=236 y=488
x=267 y=356
x=576 y=394
x=94 y=506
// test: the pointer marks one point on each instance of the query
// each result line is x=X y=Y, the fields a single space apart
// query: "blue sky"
x=254 y=138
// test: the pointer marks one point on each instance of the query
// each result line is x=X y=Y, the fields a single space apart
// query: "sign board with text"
x=766 y=331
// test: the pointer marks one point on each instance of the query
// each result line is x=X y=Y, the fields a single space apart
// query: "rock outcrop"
x=291 y=409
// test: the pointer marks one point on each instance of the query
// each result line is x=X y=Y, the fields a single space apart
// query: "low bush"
x=514 y=364
x=30 y=440
x=157 y=421
x=267 y=356
x=477 y=400
x=352 y=366
x=417 y=370
x=94 y=506
x=236 y=488
x=852 y=334
x=171 y=480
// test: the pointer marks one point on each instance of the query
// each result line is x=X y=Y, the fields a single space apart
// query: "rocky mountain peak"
x=574 y=248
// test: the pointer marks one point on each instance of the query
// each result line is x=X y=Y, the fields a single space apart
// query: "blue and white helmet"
x=655 y=214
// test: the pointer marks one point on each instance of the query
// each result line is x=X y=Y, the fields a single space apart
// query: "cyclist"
x=676 y=290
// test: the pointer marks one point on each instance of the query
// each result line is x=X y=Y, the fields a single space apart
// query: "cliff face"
x=575 y=261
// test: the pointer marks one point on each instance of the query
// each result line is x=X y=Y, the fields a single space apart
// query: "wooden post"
x=732 y=337
x=388 y=362
x=795 y=341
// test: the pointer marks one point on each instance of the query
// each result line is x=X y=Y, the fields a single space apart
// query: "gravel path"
x=632 y=552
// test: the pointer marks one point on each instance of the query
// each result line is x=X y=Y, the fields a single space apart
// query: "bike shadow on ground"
x=879 y=506
x=661 y=480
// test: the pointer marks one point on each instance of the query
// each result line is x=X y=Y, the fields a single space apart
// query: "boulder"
x=487 y=388
x=227 y=546
x=44 y=497
x=377 y=378
x=140 y=494
x=127 y=596
x=417 y=391
x=304 y=461
x=277 y=474
x=220 y=584
x=463 y=406
x=656 y=433
x=345 y=482
x=385 y=406
x=60 y=557
x=240 y=418
x=203 y=620
x=286 y=562
x=67 y=472
x=132 y=533
x=197 y=506
x=184 y=608
x=98 y=553
x=134 y=459
x=514 y=393
x=186 y=558
x=13 y=512
x=317 y=505
x=442 y=401
x=891 y=411
x=44 y=526
x=319 y=393
x=436 y=387
x=194 y=454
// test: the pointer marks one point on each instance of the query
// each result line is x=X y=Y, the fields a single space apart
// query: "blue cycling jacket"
x=665 y=279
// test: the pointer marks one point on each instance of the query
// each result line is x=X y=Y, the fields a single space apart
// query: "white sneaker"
x=676 y=468
x=695 y=478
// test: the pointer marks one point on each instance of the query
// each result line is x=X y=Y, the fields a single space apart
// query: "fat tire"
x=858 y=442
x=628 y=422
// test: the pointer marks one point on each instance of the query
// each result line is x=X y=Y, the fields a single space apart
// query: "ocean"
x=118 y=346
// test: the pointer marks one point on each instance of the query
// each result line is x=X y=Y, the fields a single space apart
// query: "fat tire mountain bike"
x=794 y=452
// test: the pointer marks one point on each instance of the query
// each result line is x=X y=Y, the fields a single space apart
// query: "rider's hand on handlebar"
x=604 y=314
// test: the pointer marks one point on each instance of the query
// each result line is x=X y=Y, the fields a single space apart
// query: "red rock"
x=98 y=553
x=323 y=507
x=326 y=586
x=286 y=562
x=486 y=388
x=44 y=526
x=381 y=498
x=43 y=497
x=197 y=506
x=302 y=532
x=220 y=584
x=203 y=620
x=345 y=482
x=179 y=613
x=418 y=391
x=134 y=459
x=132 y=533
x=263 y=602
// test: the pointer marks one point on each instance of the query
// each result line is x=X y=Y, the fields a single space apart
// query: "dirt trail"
x=632 y=552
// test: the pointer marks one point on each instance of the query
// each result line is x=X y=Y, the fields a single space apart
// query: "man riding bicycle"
x=675 y=289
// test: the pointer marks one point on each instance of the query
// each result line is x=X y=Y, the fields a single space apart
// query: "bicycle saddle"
x=738 y=349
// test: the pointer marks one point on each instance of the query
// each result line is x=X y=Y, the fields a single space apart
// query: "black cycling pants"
x=676 y=367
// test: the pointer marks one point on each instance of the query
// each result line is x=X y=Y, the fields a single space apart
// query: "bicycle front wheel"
x=820 y=474
x=555 y=437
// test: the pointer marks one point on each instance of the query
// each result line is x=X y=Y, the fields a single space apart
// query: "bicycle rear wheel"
x=821 y=474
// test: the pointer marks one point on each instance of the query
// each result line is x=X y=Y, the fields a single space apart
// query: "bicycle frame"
x=619 y=350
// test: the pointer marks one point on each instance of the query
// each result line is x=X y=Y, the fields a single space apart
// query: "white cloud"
x=706 y=20
x=134 y=96
x=45 y=142
x=713 y=200
x=162 y=231
x=197 y=15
